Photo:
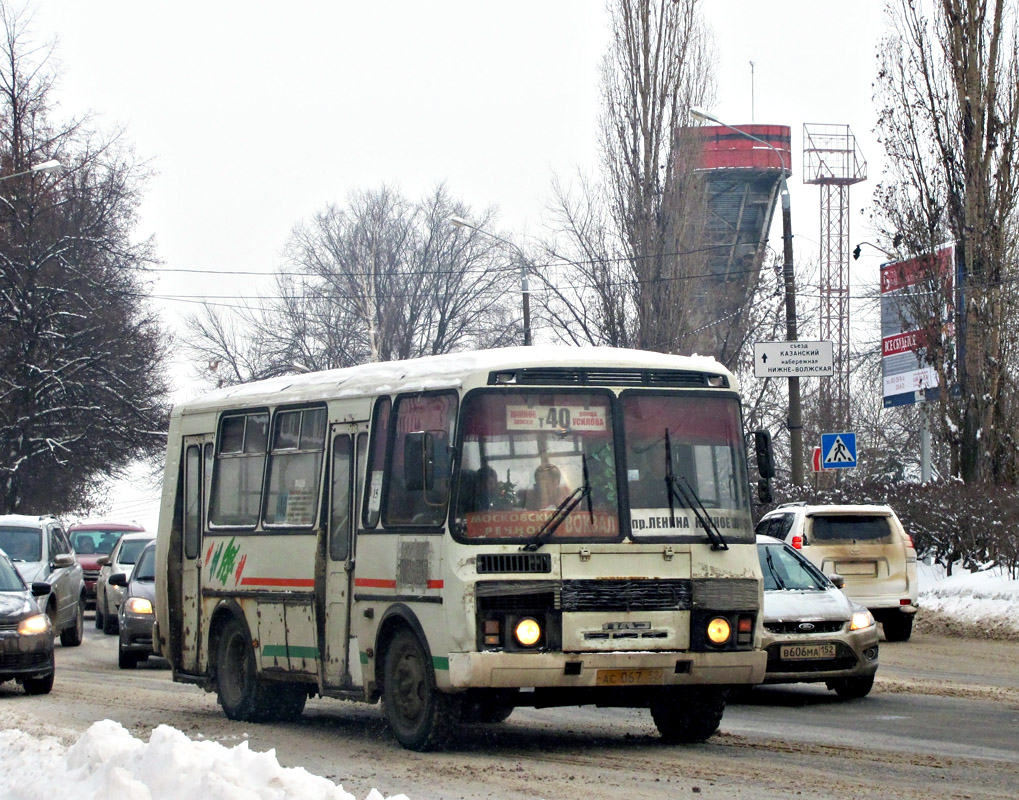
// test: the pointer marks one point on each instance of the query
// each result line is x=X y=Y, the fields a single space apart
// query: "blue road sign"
x=838 y=450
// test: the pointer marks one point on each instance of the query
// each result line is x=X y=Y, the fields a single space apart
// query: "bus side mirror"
x=765 y=455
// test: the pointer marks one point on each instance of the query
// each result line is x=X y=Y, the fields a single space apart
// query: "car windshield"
x=850 y=529
x=526 y=452
x=21 y=544
x=130 y=549
x=10 y=580
x=681 y=451
x=145 y=570
x=94 y=542
x=784 y=569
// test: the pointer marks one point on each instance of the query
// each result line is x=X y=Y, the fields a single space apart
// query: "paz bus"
x=461 y=535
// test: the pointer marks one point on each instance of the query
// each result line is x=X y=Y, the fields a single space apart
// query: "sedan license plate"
x=804 y=652
x=629 y=677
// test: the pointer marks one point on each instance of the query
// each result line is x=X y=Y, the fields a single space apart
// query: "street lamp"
x=460 y=222
x=795 y=421
x=45 y=167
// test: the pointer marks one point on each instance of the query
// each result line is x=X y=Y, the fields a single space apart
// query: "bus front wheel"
x=688 y=715
x=421 y=717
x=239 y=691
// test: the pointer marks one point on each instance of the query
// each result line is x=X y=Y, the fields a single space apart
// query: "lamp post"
x=45 y=167
x=460 y=222
x=795 y=420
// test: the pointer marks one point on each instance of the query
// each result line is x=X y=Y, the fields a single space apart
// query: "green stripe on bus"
x=364 y=657
x=440 y=662
x=291 y=651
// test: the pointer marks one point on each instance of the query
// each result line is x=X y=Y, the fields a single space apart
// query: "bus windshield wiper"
x=562 y=511
x=685 y=494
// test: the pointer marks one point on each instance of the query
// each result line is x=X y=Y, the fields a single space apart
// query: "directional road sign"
x=838 y=450
x=793 y=359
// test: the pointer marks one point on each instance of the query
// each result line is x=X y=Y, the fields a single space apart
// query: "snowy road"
x=926 y=730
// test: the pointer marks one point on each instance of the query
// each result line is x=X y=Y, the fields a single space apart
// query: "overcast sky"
x=254 y=115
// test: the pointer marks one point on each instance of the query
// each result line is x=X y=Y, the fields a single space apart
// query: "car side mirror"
x=63 y=560
x=102 y=561
x=117 y=579
x=40 y=588
x=837 y=579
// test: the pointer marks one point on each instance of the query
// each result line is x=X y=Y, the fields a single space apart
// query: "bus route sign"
x=793 y=359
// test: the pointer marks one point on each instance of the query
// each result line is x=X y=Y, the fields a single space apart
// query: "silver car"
x=120 y=560
x=136 y=613
x=41 y=551
x=812 y=631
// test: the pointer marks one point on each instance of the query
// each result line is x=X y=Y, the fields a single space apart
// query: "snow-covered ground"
x=107 y=761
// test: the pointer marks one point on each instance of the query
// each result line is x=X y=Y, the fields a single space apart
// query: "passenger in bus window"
x=548 y=490
x=489 y=493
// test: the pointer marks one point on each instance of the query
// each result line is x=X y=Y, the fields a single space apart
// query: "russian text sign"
x=793 y=359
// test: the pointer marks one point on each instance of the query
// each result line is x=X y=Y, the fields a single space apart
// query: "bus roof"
x=447 y=371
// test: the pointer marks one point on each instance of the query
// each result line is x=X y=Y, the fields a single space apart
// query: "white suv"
x=866 y=545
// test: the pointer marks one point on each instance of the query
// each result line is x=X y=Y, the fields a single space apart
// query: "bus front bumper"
x=515 y=670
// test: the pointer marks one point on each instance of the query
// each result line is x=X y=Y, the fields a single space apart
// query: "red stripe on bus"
x=375 y=583
x=296 y=582
x=435 y=584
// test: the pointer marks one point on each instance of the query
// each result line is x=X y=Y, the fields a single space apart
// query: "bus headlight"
x=719 y=630
x=527 y=632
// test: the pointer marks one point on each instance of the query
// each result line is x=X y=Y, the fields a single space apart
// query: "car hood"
x=89 y=562
x=31 y=570
x=783 y=605
x=15 y=606
x=146 y=589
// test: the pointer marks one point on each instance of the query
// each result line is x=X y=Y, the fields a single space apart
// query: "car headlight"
x=719 y=630
x=860 y=620
x=138 y=605
x=34 y=625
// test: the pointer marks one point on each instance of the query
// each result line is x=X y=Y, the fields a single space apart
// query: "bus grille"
x=605 y=376
x=514 y=562
x=632 y=595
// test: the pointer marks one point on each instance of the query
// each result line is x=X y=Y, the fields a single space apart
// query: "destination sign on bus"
x=569 y=418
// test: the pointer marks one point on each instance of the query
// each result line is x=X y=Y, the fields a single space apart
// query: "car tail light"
x=909 y=540
x=797 y=543
x=905 y=601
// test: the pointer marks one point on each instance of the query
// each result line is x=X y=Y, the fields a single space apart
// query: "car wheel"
x=421 y=717
x=852 y=688
x=688 y=715
x=71 y=637
x=125 y=658
x=898 y=627
x=240 y=692
x=99 y=617
x=110 y=622
x=43 y=685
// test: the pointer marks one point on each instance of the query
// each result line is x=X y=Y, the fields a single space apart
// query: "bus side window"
x=376 y=463
x=240 y=461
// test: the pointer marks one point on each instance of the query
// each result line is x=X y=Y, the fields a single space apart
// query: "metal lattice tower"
x=832 y=160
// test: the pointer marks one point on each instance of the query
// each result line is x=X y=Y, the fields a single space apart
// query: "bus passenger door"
x=347 y=454
x=190 y=632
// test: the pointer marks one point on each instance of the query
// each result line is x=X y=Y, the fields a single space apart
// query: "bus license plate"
x=629 y=677
x=801 y=652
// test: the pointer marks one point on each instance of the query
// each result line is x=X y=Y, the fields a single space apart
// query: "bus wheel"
x=421 y=717
x=243 y=696
x=688 y=715
x=288 y=701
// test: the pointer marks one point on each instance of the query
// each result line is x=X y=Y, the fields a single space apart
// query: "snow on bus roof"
x=445 y=372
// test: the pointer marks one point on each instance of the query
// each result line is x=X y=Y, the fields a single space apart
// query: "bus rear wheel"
x=421 y=717
x=240 y=692
x=688 y=715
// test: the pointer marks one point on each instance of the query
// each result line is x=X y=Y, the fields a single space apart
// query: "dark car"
x=26 y=634
x=136 y=614
x=91 y=541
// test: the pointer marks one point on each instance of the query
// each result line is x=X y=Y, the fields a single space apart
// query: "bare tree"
x=949 y=84
x=83 y=388
x=381 y=279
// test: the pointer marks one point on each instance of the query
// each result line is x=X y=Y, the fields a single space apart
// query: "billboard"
x=903 y=283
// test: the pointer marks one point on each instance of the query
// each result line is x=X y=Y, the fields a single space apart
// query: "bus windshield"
x=703 y=436
x=524 y=453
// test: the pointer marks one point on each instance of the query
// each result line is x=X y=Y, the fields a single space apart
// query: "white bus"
x=460 y=535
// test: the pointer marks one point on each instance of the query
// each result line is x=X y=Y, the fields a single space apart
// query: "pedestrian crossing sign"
x=838 y=450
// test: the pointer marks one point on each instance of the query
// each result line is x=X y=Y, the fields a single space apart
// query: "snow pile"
x=108 y=762
x=981 y=604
